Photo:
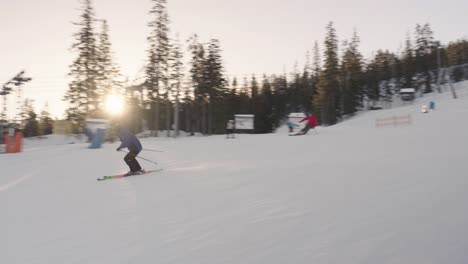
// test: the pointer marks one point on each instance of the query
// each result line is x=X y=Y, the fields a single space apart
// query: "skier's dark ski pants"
x=130 y=159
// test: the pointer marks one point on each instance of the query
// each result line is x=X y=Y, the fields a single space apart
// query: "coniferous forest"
x=186 y=87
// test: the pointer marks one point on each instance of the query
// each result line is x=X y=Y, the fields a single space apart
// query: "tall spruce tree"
x=256 y=108
x=265 y=114
x=197 y=58
x=26 y=107
x=295 y=92
x=29 y=119
x=234 y=99
x=254 y=87
x=245 y=100
x=372 y=89
x=308 y=65
x=109 y=73
x=456 y=53
x=384 y=61
x=381 y=78
x=352 y=77
x=317 y=62
x=234 y=86
x=82 y=94
x=314 y=78
x=408 y=63
x=280 y=103
x=31 y=129
x=327 y=99
x=215 y=85
x=424 y=46
x=306 y=90
x=176 y=78
x=46 y=123
x=158 y=55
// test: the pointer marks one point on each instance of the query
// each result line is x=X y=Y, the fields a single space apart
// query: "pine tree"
x=82 y=94
x=31 y=128
x=215 y=82
x=245 y=88
x=234 y=86
x=456 y=53
x=46 y=123
x=280 y=102
x=307 y=90
x=215 y=85
x=372 y=89
x=264 y=115
x=314 y=77
x=26 y=108
x=326 y=102
x=408 y=63
x=176 y=76
x=254 y=87
x=352 y=77
x=295 y=89
x=256 y=108
x=317 y=68
x=307 y=65
x=109 y=73
x=197 y=58
x=384 y=62
x=158 y=54
x=424 y=46
x=381 y=77
x=245 y=100
x=29 y=119
x=233 y=100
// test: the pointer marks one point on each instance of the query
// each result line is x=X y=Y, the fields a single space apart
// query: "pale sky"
x=261 y=36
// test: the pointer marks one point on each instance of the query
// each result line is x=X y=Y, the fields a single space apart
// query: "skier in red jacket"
x=311 y=123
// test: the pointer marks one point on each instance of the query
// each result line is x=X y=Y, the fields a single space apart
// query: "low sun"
x=114 y=104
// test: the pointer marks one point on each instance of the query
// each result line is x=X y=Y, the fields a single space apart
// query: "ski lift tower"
x=17 y=81
x=4 y=92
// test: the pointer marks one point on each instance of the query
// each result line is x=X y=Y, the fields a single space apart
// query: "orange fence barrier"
x=13 y=144
x=402 y=120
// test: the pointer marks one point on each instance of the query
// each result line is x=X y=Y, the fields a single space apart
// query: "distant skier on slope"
x=132 y=143
x=230 y=129
x=311 y=123
x=291 y=126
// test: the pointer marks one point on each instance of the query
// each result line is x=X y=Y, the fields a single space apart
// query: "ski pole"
x=146 y=160
x=153 y=150
x=141 y=157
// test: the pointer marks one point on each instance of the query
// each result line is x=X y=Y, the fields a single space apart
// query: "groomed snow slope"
x=353 y=193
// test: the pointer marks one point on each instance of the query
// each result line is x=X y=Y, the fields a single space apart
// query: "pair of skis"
x=302 y=133
x=123 y=176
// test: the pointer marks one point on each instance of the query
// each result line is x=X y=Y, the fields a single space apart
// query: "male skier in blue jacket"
x=131 y=142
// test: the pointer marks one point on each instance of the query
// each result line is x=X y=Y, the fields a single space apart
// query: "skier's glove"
x=119 y=148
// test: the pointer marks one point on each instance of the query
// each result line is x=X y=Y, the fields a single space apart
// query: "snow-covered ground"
x=353 y=193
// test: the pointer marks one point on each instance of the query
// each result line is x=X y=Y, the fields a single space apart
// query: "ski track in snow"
x=16 y=182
